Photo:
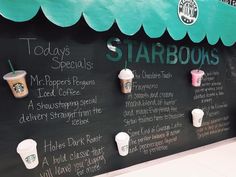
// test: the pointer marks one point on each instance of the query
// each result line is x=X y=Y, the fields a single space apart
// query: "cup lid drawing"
x=197 y=112
x=17 y=75
x=198 y=72
x=126 y=74
x=26 y=145
x=122 y=136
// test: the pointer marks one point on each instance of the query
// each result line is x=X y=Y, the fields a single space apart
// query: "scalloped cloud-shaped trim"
x=216 y=20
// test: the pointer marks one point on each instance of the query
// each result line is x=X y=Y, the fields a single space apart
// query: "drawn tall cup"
x=122 y=141
x=17 y=83
x=197 y=77
x=126 y=76
x=197 y=115
x=27 y=149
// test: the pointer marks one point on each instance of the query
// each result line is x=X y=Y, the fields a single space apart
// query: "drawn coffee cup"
x=122 y=141
x=197 y=76
x=126 y=76
x=27 y=149
x=197 y=116
x=17 y=83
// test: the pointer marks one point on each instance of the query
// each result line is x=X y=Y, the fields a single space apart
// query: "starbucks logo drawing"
x=188 y=11
x=30 y=159
x=18 y=87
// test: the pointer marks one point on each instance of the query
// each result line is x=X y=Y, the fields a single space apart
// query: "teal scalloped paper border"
x=216 y=19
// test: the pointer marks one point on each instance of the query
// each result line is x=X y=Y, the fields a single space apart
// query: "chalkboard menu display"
x=75 y=107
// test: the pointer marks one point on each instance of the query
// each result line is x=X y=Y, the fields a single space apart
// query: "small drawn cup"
x=197 y=115
x=27 y=149
x=197 y=77
x=122 y=141
x=17 y=83
x=126 y=76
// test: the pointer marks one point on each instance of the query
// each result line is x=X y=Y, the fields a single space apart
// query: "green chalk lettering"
x=196 y=56
x=157 y=51
x=205 y=56
x=130 y=49
x=215 y=58
x=171 y=54
x=116 y=53
x=142 y=53
x=184 y=52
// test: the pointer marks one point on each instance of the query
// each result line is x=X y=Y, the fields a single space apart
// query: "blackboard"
x=75 y=108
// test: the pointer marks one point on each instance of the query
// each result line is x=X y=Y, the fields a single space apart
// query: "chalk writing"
x=47 y=80
x=80 y=161
x=57 y=55
x=77 y=117
x=147 y=106
x=215 y=120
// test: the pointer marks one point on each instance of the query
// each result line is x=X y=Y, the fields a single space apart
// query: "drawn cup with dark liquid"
x=126 y=76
